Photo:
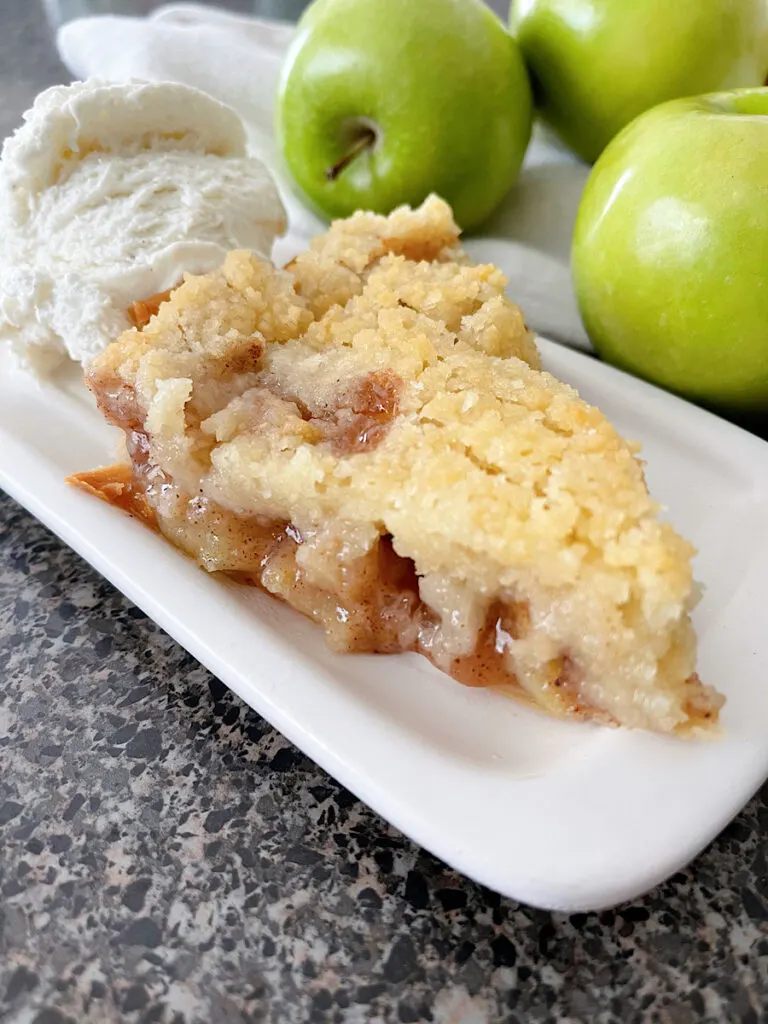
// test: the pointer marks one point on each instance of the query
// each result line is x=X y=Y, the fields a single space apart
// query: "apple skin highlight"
x=440 y=84
x=598 y=64
x=671 y=247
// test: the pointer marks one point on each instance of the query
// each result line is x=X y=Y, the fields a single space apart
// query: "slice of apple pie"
x=367 y=435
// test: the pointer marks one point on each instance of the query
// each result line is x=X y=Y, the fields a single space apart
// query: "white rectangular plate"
x=562 y=816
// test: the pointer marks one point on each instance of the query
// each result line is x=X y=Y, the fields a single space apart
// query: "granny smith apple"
x=597 y=64
x=670 y=250
x=383 y=101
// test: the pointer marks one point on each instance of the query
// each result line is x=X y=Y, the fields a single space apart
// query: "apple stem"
x=365 y=139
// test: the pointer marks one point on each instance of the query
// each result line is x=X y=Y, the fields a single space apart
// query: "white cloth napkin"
x=237 y=59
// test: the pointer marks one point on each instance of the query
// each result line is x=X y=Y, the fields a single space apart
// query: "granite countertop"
x=167 y=858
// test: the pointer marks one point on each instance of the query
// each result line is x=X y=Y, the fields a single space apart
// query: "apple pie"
x=367 y=435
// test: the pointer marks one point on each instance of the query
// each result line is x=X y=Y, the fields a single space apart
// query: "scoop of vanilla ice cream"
x=108 y=194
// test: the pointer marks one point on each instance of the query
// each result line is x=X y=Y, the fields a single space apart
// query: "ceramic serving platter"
x=558 y=815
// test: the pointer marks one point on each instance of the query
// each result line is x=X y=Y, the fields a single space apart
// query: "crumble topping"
x=367 y=435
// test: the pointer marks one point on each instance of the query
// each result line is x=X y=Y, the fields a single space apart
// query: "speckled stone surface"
x=166 y=857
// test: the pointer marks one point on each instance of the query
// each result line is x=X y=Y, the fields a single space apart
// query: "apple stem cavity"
x=365 y=139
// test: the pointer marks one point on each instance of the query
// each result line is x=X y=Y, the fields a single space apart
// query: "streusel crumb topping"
x=382 y=398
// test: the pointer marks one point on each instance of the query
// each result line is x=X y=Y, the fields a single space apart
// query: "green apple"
x=383 y=101
x=670 y=250
x=598 y=64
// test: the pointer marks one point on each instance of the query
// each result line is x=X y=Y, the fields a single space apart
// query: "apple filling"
x=365 y=596
x=142 y=311
x=367 y=436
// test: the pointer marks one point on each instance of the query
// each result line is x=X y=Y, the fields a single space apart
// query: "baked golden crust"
x=382 y=386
